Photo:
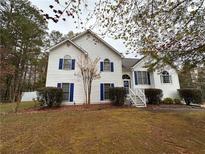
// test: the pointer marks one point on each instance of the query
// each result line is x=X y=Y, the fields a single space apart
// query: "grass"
x=9 y=107
x=125 y=130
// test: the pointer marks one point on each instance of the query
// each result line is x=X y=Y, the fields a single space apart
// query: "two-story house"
x=115 y=71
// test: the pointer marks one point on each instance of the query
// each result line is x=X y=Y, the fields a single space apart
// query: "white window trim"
x=146 y=78
x=104 y=65
x=69 y=59
x=68 y=100
x=162 y=80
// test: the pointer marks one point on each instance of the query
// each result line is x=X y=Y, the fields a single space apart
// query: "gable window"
x=67 y=65
x=106 y=65
x=142 y=77
x=165 y=77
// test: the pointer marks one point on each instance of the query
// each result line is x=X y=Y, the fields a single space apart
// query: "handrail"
x=141 y=95
x=133 y=96
x=130 y=90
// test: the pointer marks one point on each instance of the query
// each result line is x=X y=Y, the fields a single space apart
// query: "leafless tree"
x=88 y=72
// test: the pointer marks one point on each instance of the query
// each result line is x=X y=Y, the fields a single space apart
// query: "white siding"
x=169 y=89
x=54 y=75
x=96 y=48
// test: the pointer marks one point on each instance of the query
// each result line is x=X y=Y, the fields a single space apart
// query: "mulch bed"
x=95 y=107
x=91 y=107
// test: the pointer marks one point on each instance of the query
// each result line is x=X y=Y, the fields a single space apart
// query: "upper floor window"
x=106 y=66
x=142 y=77
x=67 y=65
x=165 y=77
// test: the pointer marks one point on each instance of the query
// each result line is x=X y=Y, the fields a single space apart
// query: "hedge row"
x=52 y=96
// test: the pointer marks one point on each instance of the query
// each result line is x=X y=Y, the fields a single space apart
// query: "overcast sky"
x=68 y=25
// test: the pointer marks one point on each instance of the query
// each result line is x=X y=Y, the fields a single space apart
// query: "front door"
x=126 y=85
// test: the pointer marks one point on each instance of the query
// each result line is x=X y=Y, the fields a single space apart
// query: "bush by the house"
x=153 y=95
x=117 y=95
x=168 y=100
x=191 y=95
x=50 y=96
x=177 y=101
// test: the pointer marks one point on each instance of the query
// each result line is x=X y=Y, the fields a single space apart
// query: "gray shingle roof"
x=129 y=62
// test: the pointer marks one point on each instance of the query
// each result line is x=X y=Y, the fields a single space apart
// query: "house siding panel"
x=95 y=50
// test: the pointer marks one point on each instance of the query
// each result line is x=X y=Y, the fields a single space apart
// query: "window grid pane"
x=166 y=78
x=67 y=64
x=106 y=90
x=66 y=91
x=107 y=65
x=142 y=77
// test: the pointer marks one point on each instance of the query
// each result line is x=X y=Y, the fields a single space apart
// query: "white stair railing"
x=140 y=93
x=138 y=100
x=132 y=96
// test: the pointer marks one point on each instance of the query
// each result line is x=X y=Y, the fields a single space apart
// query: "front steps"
x=136 y=99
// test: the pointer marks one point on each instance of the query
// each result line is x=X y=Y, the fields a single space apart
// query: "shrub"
x=50 y=96
x=168 y=100
x=177 y=101
x=153 y=95
x=191 y=95
x=117 y=95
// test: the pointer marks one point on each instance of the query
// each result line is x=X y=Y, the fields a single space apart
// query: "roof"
x=129 y=62
x=81 y=49
x=95 y=35
x=68 y=40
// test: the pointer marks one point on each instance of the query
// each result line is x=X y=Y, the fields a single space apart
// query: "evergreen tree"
x=22 y=30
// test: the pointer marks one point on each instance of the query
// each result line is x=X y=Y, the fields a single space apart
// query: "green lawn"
x=9 y=107
x=126 y=130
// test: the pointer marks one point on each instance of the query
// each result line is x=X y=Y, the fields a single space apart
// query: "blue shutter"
x=148 y=76
x=112 y=85
x=59 y=85
x=60 y=64
x=101 y=91
x=73 y=64
x=71 y=92
x=112 y=66
x=101 y=66
x=136 y=82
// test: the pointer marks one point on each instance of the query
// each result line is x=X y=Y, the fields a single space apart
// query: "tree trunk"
x=89 y=91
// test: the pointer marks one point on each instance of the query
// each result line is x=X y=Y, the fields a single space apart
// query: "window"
x=67 y=65
x=106 y=65
x=142 y=77
x=125 y=76
x=66 y=91
x=165 y=77
x=106 y=91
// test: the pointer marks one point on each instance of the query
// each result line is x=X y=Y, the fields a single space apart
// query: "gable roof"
x=129 y=62
x=99 y=38
x=71 y=42
x=139 y=60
